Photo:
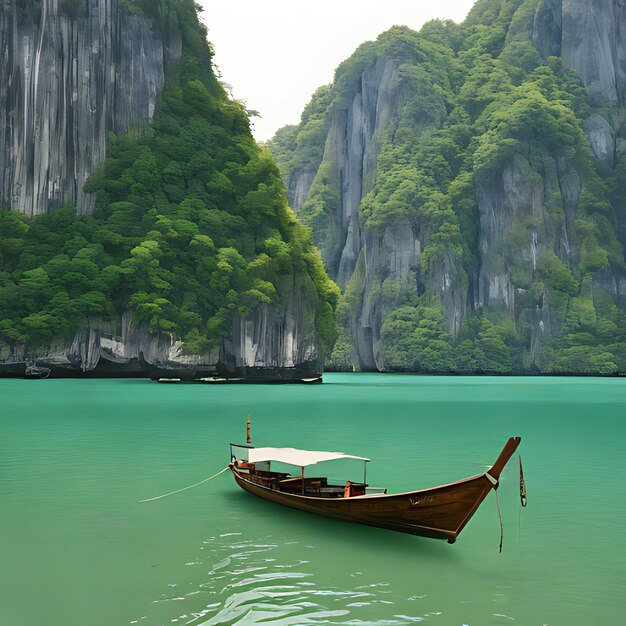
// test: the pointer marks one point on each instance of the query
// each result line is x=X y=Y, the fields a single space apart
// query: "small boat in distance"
x=34 y=372
x=438 y=512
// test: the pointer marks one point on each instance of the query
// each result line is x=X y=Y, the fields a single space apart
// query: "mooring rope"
x=171 y=493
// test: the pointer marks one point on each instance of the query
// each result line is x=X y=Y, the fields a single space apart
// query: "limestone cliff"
x=453 y=177
x=82 y=85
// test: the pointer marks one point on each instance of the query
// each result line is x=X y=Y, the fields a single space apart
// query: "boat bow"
x=493 y=475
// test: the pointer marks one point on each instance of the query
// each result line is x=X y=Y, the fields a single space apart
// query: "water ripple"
x=249 y=583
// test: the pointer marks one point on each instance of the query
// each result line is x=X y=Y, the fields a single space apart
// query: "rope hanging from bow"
x=522 y=484
x=522 y=495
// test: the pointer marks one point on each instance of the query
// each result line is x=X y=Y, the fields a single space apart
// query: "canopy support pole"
x=302 y=479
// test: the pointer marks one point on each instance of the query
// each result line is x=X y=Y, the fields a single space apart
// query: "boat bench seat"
x=295 y=484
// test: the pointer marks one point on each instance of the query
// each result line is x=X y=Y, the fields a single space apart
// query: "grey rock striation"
x=67 y=82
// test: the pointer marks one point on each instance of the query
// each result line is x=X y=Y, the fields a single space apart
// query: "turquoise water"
x=76 y=548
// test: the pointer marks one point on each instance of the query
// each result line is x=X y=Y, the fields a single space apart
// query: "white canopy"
x=292 y=456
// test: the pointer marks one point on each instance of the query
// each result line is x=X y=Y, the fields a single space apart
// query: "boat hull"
x=438 y=512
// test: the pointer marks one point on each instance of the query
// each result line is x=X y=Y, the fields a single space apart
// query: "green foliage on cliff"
x=303 y=145
x=472 y=109
x=191 y=228
x=415 y=339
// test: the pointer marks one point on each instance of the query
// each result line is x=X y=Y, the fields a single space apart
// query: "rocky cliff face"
x=529 y=204
x=67 y=82
x=353 y=146
x=592 y=40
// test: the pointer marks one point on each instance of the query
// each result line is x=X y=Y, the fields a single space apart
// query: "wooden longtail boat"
x=439 y=512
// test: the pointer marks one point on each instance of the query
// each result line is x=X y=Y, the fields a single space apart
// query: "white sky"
x=276 y=53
